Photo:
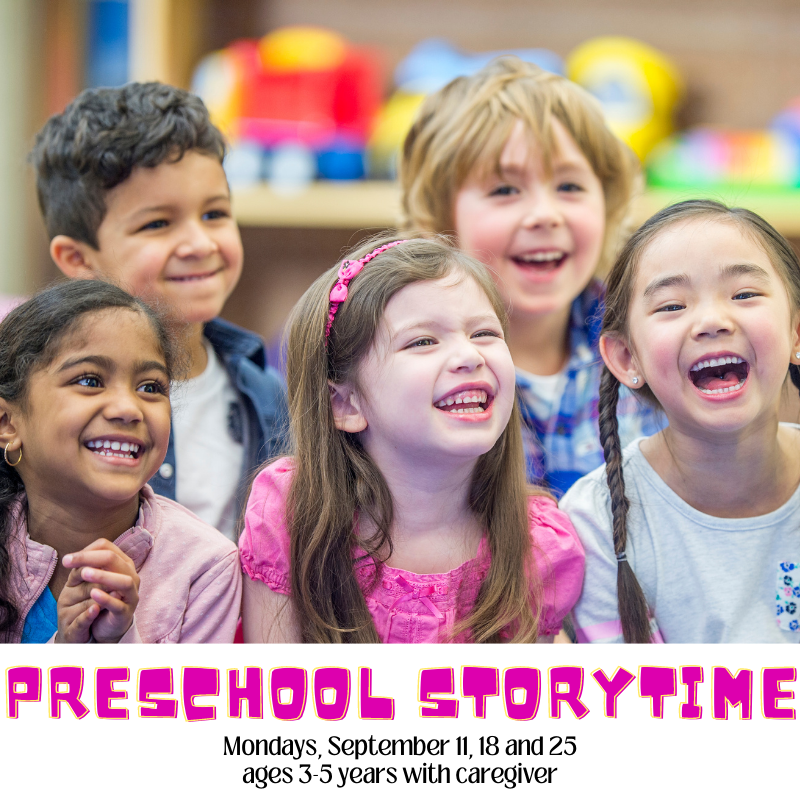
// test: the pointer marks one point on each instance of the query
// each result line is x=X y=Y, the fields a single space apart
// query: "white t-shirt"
x=706 y=579
x=208 y=460
x=544 y=393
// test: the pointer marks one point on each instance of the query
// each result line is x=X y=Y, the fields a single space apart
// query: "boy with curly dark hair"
x=132 y=190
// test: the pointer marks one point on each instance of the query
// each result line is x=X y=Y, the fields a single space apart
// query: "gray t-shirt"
x=706 y=579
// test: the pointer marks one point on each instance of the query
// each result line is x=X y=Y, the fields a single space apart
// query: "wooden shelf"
x=376 y=204
x=360 y=204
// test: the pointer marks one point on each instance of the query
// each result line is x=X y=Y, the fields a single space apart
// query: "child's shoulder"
x=175 y=528
x=245 y=359
x=230 y=340
x=551 y=529
x=559 y=558
x=272 y=483
x=264 y=544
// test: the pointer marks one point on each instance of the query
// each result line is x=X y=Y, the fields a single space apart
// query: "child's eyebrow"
x=745 y=270
x=148 y=366
x=566 y=165
x=169 y=206
x=108 y=364
x=665 y=283
x=471 y=322
x=512 y=170
x=99 y=361
x=729 y=271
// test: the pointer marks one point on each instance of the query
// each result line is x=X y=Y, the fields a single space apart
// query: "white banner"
x=390 y=721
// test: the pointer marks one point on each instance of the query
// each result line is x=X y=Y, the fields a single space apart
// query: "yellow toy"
x=638 y=87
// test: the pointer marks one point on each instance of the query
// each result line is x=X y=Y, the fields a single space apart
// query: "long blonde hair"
x=467 y=123
x=335 y=480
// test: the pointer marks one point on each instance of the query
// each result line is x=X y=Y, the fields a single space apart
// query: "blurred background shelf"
x=740 y=62
x=363 y=204
x=376 y=204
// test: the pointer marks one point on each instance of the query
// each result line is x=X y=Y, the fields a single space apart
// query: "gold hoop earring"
x=5 y=455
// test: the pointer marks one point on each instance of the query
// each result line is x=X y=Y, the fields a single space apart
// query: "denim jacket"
x=262 y=421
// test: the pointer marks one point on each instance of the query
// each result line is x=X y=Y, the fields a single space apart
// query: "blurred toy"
x=301 y=86
x=788 y=120
x=637 y=86
x=717 y=158
x=431 y=65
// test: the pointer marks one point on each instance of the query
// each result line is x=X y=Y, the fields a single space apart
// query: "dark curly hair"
x=98 y=140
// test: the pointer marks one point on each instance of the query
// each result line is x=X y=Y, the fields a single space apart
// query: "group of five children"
x=446 y=386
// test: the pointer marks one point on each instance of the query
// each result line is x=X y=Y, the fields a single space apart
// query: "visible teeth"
x=460 y=399
x=717 y=362
x=723 y=391
x=544 y=255
x=120 y=449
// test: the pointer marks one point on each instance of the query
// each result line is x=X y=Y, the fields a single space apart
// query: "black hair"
x=30 y=336
x=98 y=140
x=633 y=609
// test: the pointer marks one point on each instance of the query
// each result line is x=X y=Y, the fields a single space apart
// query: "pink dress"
x=406 y=607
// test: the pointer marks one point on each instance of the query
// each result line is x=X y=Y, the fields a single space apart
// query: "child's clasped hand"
x=100 y=595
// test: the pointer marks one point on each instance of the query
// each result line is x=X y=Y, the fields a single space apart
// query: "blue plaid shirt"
x=562 y=439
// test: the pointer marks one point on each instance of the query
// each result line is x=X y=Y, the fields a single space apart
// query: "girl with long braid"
x=698 y=542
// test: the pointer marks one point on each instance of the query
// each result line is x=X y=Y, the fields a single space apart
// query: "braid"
x=794 y=374
x=633 y=610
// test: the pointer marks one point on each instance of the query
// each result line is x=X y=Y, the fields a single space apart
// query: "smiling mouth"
x=541 y=261
x=471 y=401
x=719 y=375
x=115 y=449
x=196 y=277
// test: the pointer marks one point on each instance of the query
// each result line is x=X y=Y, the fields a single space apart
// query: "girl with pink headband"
x=403 y=514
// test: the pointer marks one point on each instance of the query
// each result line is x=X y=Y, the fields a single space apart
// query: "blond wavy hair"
x=465 y=126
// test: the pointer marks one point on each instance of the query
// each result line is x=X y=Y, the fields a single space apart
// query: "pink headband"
x=347 y=272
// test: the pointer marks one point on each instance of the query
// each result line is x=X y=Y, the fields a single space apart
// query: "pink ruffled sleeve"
x=560 y=559
x=264 y=543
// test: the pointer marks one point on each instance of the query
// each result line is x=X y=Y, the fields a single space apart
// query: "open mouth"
x=200 y=276
x=719 y=375
x=540 y=261
x=470 y=401
x=115 y=448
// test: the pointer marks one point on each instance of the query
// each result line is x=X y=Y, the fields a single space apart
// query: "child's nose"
x=196 y=242
x=123 y=405
x=542 y=211
x=712 y=320
x=467 y=357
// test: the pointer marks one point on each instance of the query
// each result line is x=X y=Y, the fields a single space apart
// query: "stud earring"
x=5 y=455
x=797 y=355
x=635 y=379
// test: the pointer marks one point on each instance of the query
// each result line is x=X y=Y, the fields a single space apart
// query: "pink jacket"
x=191 y=583
x=407 y=607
